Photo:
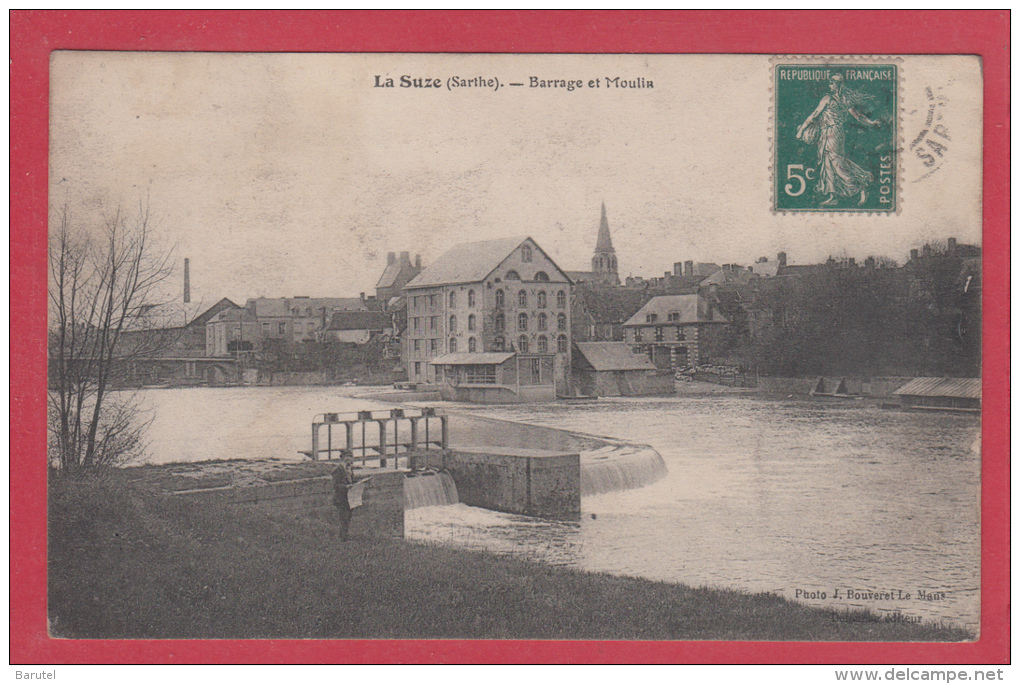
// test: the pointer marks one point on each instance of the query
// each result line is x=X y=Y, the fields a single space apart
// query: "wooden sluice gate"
x=378 y=435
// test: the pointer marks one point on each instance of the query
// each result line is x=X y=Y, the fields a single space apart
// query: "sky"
x=293 y=174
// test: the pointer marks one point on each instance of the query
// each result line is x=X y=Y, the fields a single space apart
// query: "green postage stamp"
x=835 y=138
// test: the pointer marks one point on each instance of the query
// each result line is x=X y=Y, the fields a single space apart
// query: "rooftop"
x=393 y=269
x=691 y=309
x=175 y=314
x=307 y=306
x=613 y=356
x=468 y=262
x=611 y=305
x=964 y=388
x=469 y=358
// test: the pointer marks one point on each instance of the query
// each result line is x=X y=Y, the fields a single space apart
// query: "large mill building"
x=490 y=322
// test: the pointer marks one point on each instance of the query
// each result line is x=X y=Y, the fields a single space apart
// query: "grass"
x=126 y=562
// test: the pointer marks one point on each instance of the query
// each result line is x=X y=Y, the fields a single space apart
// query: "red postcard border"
x=34 y=34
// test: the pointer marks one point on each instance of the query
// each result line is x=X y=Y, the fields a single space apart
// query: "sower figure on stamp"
x=343 y=478
x=837 y=175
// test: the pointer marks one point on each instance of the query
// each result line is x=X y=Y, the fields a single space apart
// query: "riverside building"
x=490 y=322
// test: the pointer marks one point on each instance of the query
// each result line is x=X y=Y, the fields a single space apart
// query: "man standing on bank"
x=343 y=477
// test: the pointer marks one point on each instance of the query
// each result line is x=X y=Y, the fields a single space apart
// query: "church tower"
x=603 y=264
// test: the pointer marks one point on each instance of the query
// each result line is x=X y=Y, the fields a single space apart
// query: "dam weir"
x=604 y=465
x=484 y=462
x=491 y=463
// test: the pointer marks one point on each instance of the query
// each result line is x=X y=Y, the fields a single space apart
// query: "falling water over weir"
x=615 y=468
x=429 y=489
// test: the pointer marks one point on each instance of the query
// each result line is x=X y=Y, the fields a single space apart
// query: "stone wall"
x=526 y=481
x=380 y=515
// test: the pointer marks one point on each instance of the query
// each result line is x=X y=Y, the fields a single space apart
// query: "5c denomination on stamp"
x=835 y=137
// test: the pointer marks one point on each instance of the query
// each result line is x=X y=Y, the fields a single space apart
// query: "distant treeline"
x=920 y=320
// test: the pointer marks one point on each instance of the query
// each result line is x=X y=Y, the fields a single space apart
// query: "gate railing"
x=377 y=435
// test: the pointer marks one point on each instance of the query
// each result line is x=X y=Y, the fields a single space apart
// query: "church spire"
x=603 y=263
x=605 y=243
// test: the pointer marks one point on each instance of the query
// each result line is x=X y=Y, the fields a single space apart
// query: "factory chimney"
x=187 y=281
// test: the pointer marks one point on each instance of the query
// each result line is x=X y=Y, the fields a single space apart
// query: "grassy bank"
x=126 y=562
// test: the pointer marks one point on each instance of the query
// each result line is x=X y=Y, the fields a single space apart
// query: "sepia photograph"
x=540 y=310
x=514 y=347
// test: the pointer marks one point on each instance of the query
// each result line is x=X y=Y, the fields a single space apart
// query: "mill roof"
x=469 y=262
x=233 y=314
x=613 y=356
x=692 y=309
x=964 y=388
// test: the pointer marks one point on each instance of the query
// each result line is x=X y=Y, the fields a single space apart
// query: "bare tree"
x=102 y=286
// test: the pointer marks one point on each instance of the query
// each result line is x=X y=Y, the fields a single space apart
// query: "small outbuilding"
x=357 y=327
x=495 y=377
x=611 y=369
x=952 y=394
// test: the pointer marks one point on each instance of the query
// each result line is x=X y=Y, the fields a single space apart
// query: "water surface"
x=767 y=495
x=761 y=494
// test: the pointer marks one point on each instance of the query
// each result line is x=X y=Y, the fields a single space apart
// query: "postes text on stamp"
x=835 y=138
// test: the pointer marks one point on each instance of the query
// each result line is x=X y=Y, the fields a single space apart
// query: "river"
x=797 y=497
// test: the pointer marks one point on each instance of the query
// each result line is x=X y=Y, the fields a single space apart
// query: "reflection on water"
x=760 y=495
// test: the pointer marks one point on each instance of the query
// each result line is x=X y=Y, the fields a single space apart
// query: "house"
x=231 y=332
x=167 y=343
x=948 y=394
x=668 y=329
x=767 y=268
x=176 y=328
x=489 y=321
x=612 y=369
x=598 y=313
x=297 y=319
x=729 y=276
x=399 y=272
x=358 y=327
